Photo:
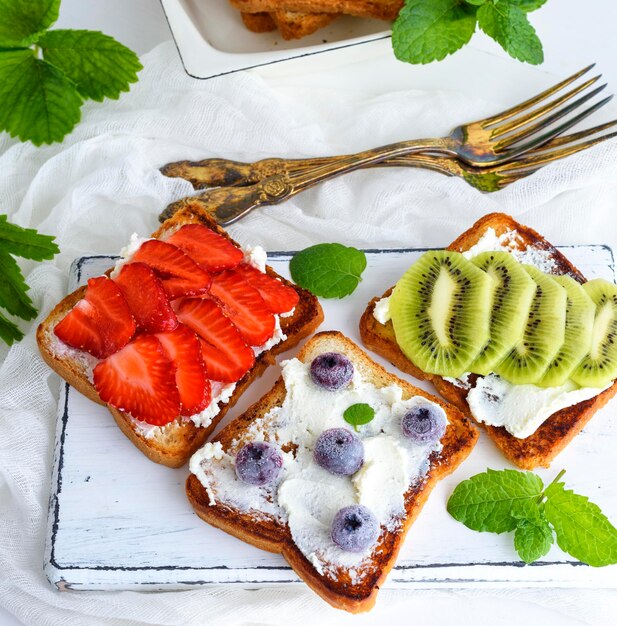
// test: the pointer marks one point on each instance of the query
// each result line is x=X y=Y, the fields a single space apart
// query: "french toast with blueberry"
x=175 y=333
x=330 y=468
x=549 y=347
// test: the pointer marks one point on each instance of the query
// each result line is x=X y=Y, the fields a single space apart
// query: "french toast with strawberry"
x=171 y=337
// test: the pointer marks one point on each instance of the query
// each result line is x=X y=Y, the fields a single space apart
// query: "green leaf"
x=581 y=528
x=429 y=30
x=9 y=332
x=486 y=502
x=100 y=66
x=359 y=414
x=508 y=25
x=477 y=3
x=23 y=21
x=26 y=242
x=527 y=5
x=330 y=270
x=533 y=538
x=13 y=296
x=37 y=102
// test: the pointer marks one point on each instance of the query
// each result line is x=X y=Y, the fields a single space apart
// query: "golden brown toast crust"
x=258 y=22
x=539 y=449
x=291 y=24
x=178 y=441
x=269 y=534
x=379 y=9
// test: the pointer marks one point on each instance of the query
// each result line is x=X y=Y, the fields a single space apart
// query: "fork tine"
x=504 y=115
x=554 y=132
x=581 y=134
x=534 y=114
x=527 y=131
x=508 y=179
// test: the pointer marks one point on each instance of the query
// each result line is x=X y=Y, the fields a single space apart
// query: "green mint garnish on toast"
x=329 y=270
x=511 y=500
x=14 y=299
x=359 y=414
x=429 y=30
x=46 y=75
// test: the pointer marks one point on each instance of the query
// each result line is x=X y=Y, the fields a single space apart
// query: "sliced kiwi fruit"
x=543 y=335
x=440 y=311
x=580 y=311
x=599 y=366
x=511 y=298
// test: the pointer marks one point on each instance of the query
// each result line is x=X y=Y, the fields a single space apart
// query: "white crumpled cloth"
x=102 y=184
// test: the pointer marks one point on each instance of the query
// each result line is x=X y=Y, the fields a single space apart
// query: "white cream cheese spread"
x=381 y=310
x=308 y=496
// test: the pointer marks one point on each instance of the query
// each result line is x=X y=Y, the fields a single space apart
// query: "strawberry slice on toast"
x=140 y=379
x=100 y=323
x=226 y=355
x=180 y=275
x=183 y=348
x=244 y=306
x=209 y=249
x=146 y=297
x=279 y=298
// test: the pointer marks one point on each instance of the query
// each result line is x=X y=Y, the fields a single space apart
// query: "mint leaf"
x=581 y=528
x=527 y=5
x=429 y=30
x=37 y=102
x=359 y=414
x=330 y=270
x=26 y=242
x=9 y=332
x=508 y=25
x=23 y=21
x=100 y=66
x=486 y=502
x=533 y=538
x=13 y=296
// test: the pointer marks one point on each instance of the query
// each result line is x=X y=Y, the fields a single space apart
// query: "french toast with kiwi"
x=171 y=338
x=537 y=448
x=296 y=475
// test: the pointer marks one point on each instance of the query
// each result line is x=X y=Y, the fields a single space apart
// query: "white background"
x=574 y=33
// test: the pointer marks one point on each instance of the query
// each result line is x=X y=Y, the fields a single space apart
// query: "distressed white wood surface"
x=118 y=521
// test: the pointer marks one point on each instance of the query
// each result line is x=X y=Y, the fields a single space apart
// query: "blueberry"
x=259 y=463
x=339 y=451
x=331 y=370
x=354 y=528
x=424 y=424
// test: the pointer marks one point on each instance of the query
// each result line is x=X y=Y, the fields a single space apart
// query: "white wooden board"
x=118 y=521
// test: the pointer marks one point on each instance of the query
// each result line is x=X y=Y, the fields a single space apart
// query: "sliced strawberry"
x=225 y=353
x=183 y=348
x=140 y=379
x=244 y=306
x=101 y=322
x=146 y=298
x=180 y=275
x=212 y=251
x=279 y=298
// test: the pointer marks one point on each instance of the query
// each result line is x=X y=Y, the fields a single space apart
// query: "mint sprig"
x=510 y=500
x=46 y=75
x=429 y=30
x=14 y=299
x=330 y=270
x=359 y=414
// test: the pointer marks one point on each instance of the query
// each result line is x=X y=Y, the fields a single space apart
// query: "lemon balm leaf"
x=359 y=414
x=26 y=242
x=37 y=102
x=23 y=21
x=100 y=66
x=533 y=538
x=330 y=270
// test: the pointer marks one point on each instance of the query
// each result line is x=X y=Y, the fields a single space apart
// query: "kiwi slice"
x=580 y=311
x=440 y=311
x=543 y=335
x=599 y=367
x=512 y=295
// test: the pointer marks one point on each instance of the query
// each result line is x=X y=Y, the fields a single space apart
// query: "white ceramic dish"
x=212 y=40
x=119 y=521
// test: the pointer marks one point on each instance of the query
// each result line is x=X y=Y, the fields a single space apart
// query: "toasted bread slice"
x=539 y=449
x=258 y=22
x=173 y=444
x=291 y=24
x=379 y=9
x=338 y=586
